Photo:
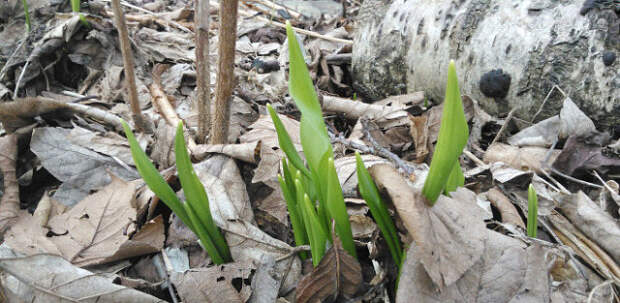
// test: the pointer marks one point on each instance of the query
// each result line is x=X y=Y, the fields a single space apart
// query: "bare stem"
x=225 y=71
x=203 y=76
x=121 y=26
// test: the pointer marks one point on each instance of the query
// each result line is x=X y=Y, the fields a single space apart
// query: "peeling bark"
x=405 y=46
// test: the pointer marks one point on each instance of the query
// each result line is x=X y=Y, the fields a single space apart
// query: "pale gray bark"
x=405 y=46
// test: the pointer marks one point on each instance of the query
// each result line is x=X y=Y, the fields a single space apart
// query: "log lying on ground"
x=405 y=45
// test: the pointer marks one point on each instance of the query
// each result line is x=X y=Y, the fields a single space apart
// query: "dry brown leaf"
x=338 y=275
x=213 y=284
x=45 y=278
x=450 y=236
x=525 y=158
x=594 y=222
x=419 y=133
x=506 y=209
x=96 y=230
x=247 y=152
x=270 y=153
x=507 y=272
x=347 y=170
x=231 y=209
x=9 y=203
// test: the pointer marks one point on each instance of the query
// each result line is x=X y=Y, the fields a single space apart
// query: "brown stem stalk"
x=225 y=71
x=121 y=26
x=203 y=76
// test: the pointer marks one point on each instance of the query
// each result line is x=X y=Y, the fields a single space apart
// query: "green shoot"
x=75 y=7
x=195 y=212
x=532 y=212
x=445 y=173
x=313 y=194
x=27 y=14
x=379 y=212
x=197 y=199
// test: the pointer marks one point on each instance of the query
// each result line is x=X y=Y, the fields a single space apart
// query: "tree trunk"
x=405 y=46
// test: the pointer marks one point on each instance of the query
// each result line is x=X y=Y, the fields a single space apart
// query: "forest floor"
x=79 y=224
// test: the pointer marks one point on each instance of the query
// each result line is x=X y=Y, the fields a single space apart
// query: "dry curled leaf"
x=450 y=237
x=338 y=275
x=97 y=230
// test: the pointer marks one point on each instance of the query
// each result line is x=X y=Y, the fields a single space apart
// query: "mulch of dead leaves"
x=78 y=223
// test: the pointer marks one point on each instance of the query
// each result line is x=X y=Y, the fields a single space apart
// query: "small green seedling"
x=369 y=192
x=445 y=173
x=27 y=14
x=532 y=212
x=75 y=7
x=313 y=194
x=194 y=212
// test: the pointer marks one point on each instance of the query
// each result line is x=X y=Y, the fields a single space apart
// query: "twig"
x=545 y=101
x=473 y=157
x=375 y=149
x=296 y=29
x=160 y=101
x=166 y=276
x=225 y=71
x=34 y=285
x=203 y=75
x=130 y=76
x=8 y=61
x=176 y=24
x=92 y=112
x=294 y=251
x=275 y=7
x=593 y=291
x=501 y=130
x=19 y=80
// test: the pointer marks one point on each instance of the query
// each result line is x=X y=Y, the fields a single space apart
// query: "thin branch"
x=37 y=287
x=161 y=103
x=130 y=77
x=225 y=71
x=375 y=149
x=296 y=29
x=203 y=75
x=501 y=130
x=545 y=101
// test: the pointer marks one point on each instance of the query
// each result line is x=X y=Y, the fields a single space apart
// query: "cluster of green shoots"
x=313 y=193
x=194 y=212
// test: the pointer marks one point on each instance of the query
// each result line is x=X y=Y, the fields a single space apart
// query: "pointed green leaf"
x=154 y=180
x=532 y=212
x=453 y=134
x=338 y=210
x=316 y=234
x=285 y=142
x=314 y=138
x=203 y=235
x=299 y=230
x=369 y=192
x=456 y=178
x=196 y=195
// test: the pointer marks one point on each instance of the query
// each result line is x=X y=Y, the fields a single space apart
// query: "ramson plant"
x=194 y=212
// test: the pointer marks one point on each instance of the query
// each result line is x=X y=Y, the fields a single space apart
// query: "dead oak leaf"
x=96 y=230
x=338 y=275
x=508 y=271
x=449 y=237
x=264 y=131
